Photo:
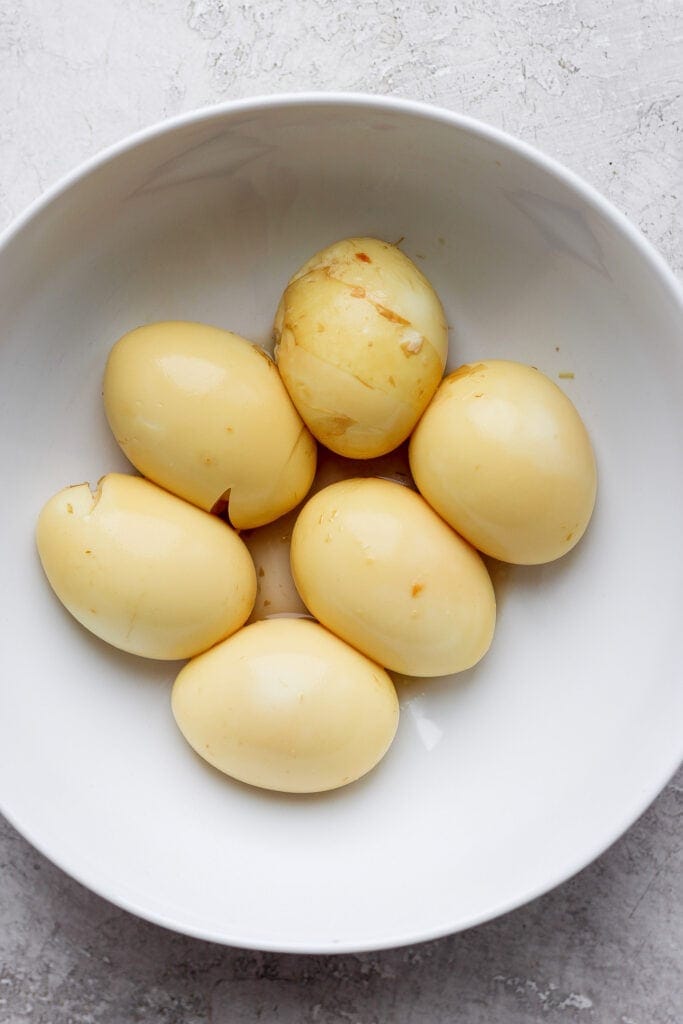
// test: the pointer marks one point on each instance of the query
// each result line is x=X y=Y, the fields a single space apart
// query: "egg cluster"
x=294 y=591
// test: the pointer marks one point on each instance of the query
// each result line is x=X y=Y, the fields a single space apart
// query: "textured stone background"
x=597 y=83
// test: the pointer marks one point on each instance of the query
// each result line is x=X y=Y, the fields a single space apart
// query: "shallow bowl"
x=503 y=781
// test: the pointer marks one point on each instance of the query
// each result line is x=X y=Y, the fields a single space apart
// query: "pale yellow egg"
x=144 y=570
x=376 y=565
x=285 y=705
x=502 y=454
x=204 y=414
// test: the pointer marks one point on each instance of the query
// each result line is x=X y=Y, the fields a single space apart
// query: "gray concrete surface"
x=597 y=83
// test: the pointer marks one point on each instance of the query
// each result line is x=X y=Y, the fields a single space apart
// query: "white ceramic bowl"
x=502 y=782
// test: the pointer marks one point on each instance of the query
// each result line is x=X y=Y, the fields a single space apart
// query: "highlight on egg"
x=287 y=706
x=361 y=343
x=503 y=456
x=377 y=566
x=203 y=413
x=144 y=570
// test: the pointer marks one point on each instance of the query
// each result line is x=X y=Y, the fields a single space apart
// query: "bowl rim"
x=641 y=799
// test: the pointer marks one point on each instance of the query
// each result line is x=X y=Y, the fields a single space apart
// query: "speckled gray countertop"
x=596 y=83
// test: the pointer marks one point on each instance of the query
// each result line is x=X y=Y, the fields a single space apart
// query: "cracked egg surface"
x=203 y=413
x=144 y=570
x=361 y=343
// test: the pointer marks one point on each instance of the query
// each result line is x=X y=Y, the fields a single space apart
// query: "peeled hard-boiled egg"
x=286 y=705
x=503 y=456
x=144 y=570
x=361 y=342
x=376 y=565
x=204 y=414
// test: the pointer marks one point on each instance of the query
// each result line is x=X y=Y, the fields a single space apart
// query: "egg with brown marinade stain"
x=377 y=566
x=361 y=343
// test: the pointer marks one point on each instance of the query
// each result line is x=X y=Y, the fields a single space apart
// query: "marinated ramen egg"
x=285 y=705
x=504 y=457
x=361 y=343
x=376 y=565
x=144 y=570
x=204 y=414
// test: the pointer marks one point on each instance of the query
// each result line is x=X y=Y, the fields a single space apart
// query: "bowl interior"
x=502 y=781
